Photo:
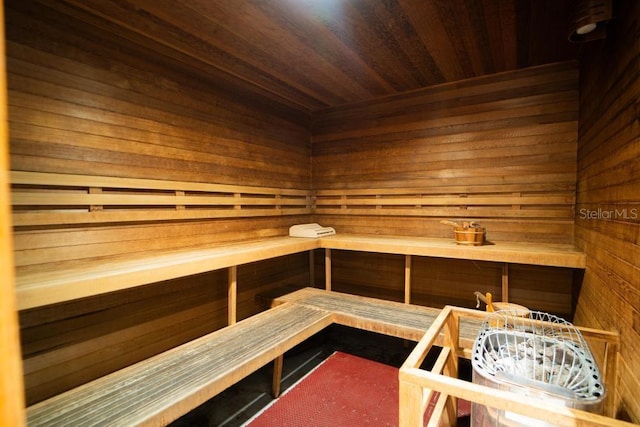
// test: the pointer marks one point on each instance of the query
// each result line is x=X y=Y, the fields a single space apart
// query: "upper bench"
x=91 y=277
x=61 y=200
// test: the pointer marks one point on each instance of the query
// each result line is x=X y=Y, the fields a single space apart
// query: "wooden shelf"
x=43 y=284
x=549 y=254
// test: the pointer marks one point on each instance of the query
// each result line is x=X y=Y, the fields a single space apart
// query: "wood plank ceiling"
x=315 y=54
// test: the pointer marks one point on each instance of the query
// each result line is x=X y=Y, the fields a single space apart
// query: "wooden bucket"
x=469 y=236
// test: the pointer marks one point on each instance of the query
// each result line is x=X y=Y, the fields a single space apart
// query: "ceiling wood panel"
x=315 y=54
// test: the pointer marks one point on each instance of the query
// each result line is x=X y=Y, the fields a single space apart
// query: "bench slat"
x=162 y=388
x=386 y=317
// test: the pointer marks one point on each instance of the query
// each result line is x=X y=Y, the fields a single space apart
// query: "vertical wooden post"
x=610 y=377
x=505 y=282
x=327 y=269
x=232 y=299
x=410 y=414
x=95 y=208
x=11 y=380
x=407 y=279
x=452 y=339
x=180 y=194
x=312 y=268
x=277 y=376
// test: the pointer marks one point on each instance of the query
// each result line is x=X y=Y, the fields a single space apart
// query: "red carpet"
x=344 y=390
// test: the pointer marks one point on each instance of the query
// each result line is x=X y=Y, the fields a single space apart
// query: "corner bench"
x=162 y=388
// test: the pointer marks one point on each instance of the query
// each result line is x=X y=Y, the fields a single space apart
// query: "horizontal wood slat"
x=56 y=199
x=500 y=151
x=556 y=204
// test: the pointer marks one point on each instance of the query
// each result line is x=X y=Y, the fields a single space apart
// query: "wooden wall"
x=500 y=150
x=496 y=149
x=99 y=100
x=503 y=150
x=608 y=194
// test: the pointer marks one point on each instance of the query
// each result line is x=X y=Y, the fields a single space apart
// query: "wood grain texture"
x=161 y=389
x=608 y=196
x=11 y=381
x=393 y=318
x=88 y=104
x=513 y=252
x=207 y=92
x=310 y=55
x=101 y=101
x=68 y=344
x=500 y=150
x=60 y=200
x=38 y=285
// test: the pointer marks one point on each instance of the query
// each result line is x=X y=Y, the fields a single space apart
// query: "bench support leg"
x=277 y=376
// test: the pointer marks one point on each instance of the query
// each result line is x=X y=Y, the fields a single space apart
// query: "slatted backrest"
x=461 y=201
x=46 y=199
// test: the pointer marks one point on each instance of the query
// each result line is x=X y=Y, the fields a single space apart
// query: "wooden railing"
x=417 y=384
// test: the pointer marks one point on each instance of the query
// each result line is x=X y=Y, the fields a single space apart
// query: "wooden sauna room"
x=156 y=153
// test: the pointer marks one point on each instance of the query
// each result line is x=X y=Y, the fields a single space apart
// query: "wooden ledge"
x=45 y=284
x=39 y=286
x=546 y=254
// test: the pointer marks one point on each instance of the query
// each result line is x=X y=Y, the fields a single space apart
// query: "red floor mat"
x=344 y=390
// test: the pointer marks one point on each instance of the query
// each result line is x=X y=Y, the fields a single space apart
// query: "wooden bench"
x=67 y=202
x=41 y=286
x=164 y=387
x=63 y=200
x=396 y=319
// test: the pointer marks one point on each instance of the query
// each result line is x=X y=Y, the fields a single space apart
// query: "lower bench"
x=162 y=388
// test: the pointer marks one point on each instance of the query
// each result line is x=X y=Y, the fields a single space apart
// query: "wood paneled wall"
x=500 y=150
x=96 y=101
x=480 y=147
x=608 y=196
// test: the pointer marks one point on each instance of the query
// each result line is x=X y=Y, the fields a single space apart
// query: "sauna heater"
x=538 y=355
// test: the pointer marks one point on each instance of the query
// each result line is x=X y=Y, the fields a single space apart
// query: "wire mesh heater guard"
x=538 y=355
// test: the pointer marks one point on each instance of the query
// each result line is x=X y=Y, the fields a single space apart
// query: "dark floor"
x=236 y=405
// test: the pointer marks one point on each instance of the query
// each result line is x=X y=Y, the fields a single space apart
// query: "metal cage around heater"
x=538 y=355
